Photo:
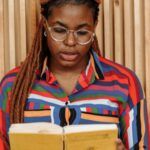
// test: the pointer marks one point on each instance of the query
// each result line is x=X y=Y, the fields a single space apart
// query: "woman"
x=64 y=80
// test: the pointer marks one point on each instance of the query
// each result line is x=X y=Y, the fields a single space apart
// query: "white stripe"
x=52 y=114
x=97 y=101
x=76 y=103
x=83 y=109
x=46 y=99
x=130 y=131
x=87 y=68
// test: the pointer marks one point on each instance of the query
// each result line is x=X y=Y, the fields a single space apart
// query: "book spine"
x=63 y=136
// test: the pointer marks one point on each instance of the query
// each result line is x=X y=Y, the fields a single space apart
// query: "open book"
x=47 y=136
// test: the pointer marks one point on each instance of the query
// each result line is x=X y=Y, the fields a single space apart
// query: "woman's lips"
x=68 y=56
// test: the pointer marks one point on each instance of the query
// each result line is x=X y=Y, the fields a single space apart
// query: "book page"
x=41 y=127
x=92 y=140
x=29 y=141
x=93 y=137
x=92 y=127
x=36 y=136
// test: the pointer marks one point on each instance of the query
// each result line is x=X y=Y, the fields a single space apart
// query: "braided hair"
x=35 y=59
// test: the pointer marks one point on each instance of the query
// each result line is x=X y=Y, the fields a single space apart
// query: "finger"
x=118 y=141
x=120 y=145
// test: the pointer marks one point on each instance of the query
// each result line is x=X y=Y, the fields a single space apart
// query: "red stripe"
x=2 y=146
x=15 y=70
x=82 y=81
x=111 y=76
x=132 y=81
x=108 y=88
x=49 y=95
x=47 y=107
x=31 y=105
x=41 y=93
x=2 y=123
x=106 y=112
x=88 y=109
x=7 y=80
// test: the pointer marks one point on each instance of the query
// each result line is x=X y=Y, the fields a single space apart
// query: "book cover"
x=47 y=136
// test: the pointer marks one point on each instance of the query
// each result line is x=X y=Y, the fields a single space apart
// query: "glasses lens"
x=83 y=36
x=58 y=33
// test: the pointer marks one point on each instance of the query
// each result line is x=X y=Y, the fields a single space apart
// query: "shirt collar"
x=96 y=64
x=93 y=71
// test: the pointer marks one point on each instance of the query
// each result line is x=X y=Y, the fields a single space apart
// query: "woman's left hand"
x=120 y=145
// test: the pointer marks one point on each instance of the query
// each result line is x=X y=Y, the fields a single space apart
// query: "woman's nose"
x=70 y=39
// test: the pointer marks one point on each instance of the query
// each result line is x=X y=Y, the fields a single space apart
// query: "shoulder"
x=5 y=88
x=9 y=78
x=122 y=74
x=113 y=68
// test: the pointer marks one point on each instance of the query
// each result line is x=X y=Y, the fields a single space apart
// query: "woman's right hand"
x=120 y=145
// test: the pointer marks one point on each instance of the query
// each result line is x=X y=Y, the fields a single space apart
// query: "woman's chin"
x=68 y=64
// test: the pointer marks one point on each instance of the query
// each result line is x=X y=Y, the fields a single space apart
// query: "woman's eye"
x=82 y=32
x=59 y=30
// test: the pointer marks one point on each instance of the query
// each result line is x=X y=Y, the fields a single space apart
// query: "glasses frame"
x=71 y=31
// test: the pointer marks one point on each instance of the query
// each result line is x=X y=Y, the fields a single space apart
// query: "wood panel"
x=108 y=29
x=100 y=28
x=11 y=29
x=147 y=50
x=2 y=62
x=6 y=36
x=31 y=21
x=139 y=39
x=129 y=33
x=118 y=31
x=20 y=27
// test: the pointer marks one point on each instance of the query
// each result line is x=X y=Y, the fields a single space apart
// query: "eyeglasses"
x=82 y=36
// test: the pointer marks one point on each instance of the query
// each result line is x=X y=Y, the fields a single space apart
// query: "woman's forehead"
x=72 y=15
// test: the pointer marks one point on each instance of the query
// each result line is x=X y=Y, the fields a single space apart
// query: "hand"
x=120 y=145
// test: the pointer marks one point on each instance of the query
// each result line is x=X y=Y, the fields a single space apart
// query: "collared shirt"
x=106 y=92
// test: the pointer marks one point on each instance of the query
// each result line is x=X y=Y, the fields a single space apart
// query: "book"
x=47 y=136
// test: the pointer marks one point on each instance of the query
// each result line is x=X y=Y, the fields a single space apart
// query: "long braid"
x=25 y=79
x=15 y=91
x=33 y=73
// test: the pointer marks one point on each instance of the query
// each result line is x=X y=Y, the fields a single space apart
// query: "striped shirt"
x=106 y=92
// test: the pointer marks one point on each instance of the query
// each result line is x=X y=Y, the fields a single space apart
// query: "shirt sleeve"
x=4 y=115
x=134 y=118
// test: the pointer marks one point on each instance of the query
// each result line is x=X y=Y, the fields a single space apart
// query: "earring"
x=93 y=38
x=45 y=34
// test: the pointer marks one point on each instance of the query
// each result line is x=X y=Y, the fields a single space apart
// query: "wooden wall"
x=123 y=34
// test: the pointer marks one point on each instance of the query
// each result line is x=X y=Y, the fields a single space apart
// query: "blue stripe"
x=134 y=126
x=91 y=94
x=37 y=119
x=111 y=83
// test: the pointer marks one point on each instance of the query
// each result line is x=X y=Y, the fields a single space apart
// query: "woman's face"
x=69 y=53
